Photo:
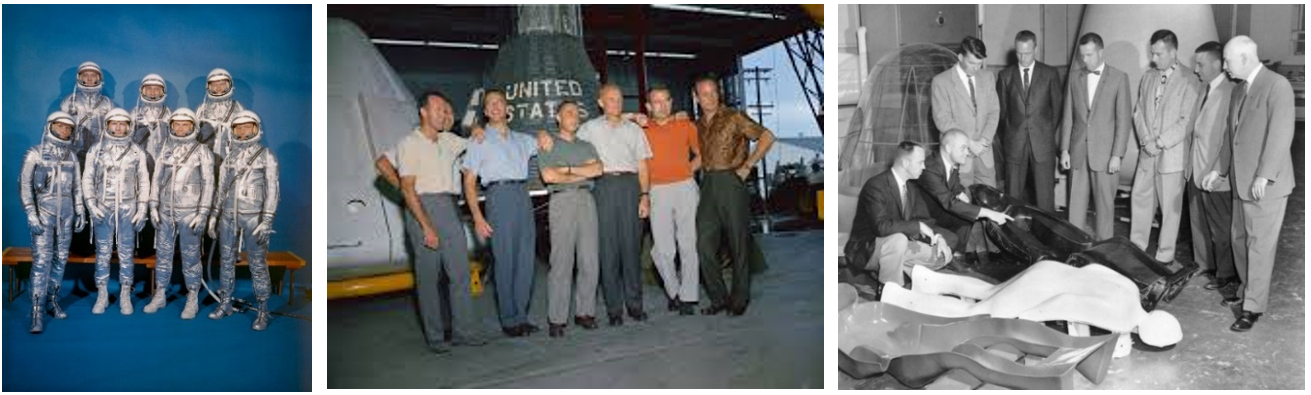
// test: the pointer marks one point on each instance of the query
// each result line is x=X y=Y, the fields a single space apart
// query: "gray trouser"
x=673 y=227
x=621 y=234
x=1255 y=230
x=724 y=214
x=451 y=258
x=573 y=236
x=1101 y=187
x=510 y=213
x=1212 y=216
x=1152 y=190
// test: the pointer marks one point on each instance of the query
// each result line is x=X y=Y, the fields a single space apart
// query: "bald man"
x=1259 y=164
x=949 y=202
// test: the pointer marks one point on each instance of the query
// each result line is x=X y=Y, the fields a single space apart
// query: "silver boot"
x=190 y=311
x=37 y=325
x=55 y=310
x=224 y=308
x=125 y=300
x=102 y=300
x=157 y=302
x=262 y=320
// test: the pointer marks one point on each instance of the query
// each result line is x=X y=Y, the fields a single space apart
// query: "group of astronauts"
x=187 y=172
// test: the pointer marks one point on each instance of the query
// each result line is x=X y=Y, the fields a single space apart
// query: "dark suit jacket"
x=948 y=211
x=1259 y=137
x=1094 y=136
x=1033 y=118
x=879 y=214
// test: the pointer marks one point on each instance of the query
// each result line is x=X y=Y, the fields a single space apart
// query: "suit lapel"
x=896 y=191
x=962 y=87
x=1097 y=93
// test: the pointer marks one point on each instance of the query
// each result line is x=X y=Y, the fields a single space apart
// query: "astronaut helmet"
x=111 y=128
x=153 y=90
x=59 y=128
x=89 y=77
x=219 y=84
x=184 y=121
x=241 y=133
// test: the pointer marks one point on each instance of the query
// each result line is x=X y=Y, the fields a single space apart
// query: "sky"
x=791 y=116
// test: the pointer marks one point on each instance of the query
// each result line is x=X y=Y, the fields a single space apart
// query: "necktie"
x=905 y=203
x=1240 y=104
x=1160 y=89
x=1097 y=72
x=1026 y=81
x=971 y=86
x=1205 y=96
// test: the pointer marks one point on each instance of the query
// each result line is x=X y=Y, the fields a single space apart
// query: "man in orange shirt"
x=676 y=153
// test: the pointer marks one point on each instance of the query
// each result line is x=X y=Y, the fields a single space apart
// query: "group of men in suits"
x=1221 y=131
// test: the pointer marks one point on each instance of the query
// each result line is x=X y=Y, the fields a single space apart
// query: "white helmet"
x=117 y=114
x=89 y=66
x=183 y=114
x=155 y=80
x=218 y=75
x=246 y=116
x=92 y=66
x=61 y=117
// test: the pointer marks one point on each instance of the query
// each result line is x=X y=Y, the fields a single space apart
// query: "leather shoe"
x=468 y=341
x=616 y=320
x=528 y=328
x=1217 y=283
x=513 y=331
x=674 y=304
x=637 y=315
x=1210 y=274
x=1231 y=302
x=585 y=321
x=557 y=330
x=715 y=308
x=1245 y=321
x=737 y=311
x=439 y=349
x=687 y=308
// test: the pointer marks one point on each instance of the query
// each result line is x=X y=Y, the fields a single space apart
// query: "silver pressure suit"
x=247 y=201
x=181 y=193
x=116 y=182
x=52 y=199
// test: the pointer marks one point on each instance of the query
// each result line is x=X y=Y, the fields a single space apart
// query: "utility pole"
x=757 y=75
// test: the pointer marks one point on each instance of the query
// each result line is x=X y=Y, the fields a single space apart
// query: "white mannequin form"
x=1046 y=291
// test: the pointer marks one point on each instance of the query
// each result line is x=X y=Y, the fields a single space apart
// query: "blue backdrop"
x=268 y=51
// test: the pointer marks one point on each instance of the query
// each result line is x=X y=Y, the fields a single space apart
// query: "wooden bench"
x=16 y=255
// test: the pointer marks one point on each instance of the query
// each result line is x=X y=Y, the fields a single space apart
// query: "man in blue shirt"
x=501 y=160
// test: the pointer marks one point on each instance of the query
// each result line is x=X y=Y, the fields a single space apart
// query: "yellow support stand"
x=402 y=281
x=820 y=203
x=476 y=278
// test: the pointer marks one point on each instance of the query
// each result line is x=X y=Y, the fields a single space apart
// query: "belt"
x=618 y=173
x=571 y=188
x=502 y=182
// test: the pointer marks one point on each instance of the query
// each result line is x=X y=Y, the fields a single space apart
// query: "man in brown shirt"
x=724 y=212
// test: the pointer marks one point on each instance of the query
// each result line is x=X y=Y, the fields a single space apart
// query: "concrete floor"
x=1270 y=356
x=376 y=342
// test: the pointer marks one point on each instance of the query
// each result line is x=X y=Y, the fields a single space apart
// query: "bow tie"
x=1097 y=72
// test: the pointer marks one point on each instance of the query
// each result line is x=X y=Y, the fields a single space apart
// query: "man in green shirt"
x=568 y=169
